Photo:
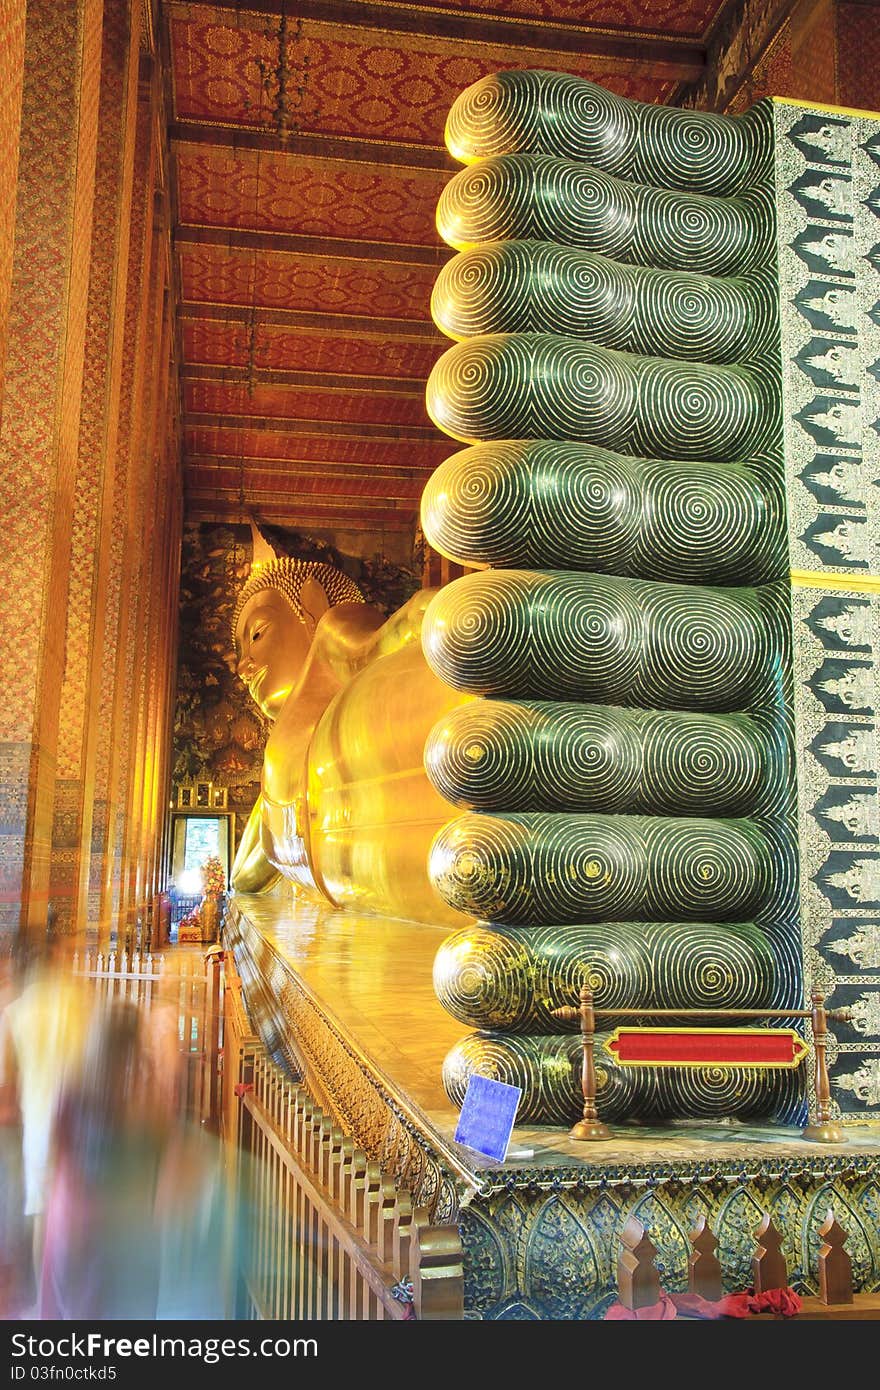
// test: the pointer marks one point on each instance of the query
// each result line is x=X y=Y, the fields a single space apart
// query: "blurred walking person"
x=43 y=1030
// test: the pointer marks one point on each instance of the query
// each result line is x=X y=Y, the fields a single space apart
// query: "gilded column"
x=12 y=14
x=116 y=672
x=92 y=521
x=40 y=429
x=136 y=847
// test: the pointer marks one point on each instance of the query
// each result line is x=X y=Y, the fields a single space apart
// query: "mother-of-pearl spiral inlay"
x=526 y=869
x=497 y=755
x=547 y=1070
x=529 y=197
x=540 y=287
x=533 y=635
x=506 y=978
x=544 y=386
x=537 y=112
x=626 y=770
x=518 y=504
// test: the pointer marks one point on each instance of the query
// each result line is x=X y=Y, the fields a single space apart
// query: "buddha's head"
x=275 y=618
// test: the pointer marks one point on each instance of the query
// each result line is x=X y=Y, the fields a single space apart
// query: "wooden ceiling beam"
x=306 y=467
x=681 y=59
x=337 y=147
x=393 y=501
x=278 y=516
x=336 y=429
x=329 y=247
x=329 y=381
x=418 y=329
x=369 y=510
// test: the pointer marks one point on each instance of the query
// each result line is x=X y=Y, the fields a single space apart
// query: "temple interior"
x=442 y=548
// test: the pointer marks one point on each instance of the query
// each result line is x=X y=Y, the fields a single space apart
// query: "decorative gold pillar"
x=141 y=642
x=40 y=427
x=12 y=13
x=112 y=761
x=92 y=521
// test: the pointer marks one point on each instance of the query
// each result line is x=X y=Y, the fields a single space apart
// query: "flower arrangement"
x=213 y=875
x=189 y=928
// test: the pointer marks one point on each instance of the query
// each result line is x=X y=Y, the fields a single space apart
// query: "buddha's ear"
x=314 y=603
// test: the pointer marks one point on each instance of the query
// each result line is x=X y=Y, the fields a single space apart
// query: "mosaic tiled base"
x=552 y=1253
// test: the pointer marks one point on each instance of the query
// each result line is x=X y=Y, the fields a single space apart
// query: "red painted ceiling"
x=305 y=257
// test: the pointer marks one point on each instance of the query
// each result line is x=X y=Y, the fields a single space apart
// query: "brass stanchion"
x=590 y=1127
x=824 y=1131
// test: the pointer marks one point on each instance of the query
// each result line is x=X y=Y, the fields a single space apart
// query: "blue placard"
x=487 y=1116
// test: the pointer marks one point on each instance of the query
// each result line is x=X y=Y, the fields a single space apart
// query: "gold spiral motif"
x=511 y=978
x=553 y=504
x=538 y=112
x=548 y=1069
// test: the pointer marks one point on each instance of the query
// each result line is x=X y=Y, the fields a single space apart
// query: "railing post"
x=385 y=1210
x=358 y=1185
x=372 y=1192
x=835 y=1266
x=704 y=1271
x=214 y=964
x=824 y=1131
x=437 y=1274
x=341 y=1173
x=769 y=1270
x=331 y=1155
x=637 y=1279
x=402 y=1236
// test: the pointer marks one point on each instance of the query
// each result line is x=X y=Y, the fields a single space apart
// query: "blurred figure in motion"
x=43 y=1030
x=137 y=1218
x=100 y=1255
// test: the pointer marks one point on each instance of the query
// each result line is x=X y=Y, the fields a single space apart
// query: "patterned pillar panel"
x=12 y=19
x=41 y=410
x=92 y=515
x=117 y=676
x=828 y=199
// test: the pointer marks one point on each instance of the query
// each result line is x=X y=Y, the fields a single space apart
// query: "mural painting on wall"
x=219 y=733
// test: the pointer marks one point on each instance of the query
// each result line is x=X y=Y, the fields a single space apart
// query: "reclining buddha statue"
x=580 y=754
x=346 y=811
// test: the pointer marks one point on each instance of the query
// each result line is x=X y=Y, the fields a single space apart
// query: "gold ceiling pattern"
x=305 y=242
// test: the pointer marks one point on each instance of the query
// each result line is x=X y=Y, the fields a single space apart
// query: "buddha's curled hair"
x=288 y=575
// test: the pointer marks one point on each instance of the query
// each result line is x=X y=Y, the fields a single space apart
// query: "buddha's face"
x=273 y=644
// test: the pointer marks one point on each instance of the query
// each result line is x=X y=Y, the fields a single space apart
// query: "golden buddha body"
x=346 y=810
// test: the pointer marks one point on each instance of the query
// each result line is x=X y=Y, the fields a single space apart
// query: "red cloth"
x=783 y=1303
x=655 y=1312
